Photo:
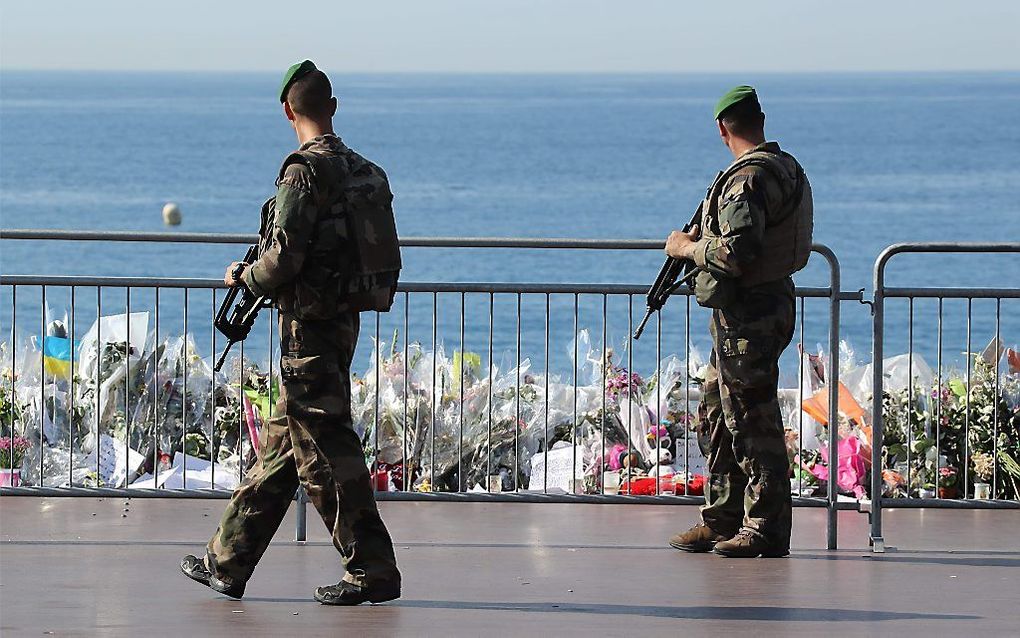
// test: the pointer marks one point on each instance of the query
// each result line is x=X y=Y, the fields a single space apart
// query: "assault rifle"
x=235 y=321
x=673 y=274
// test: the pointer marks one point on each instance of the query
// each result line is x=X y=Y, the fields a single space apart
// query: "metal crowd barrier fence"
x=203 y=292
x=931 y=430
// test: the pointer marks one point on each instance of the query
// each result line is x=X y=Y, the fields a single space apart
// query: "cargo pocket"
x=305 y=380
x=745 y=364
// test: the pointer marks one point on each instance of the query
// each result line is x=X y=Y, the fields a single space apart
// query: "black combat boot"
x=195 y=569
x=747 y=544
x=700 y=538
x=345 y=593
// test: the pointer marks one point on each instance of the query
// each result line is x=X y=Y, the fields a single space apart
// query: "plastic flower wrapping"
x=131 y=411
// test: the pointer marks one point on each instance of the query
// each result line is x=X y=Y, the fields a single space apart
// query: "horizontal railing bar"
x=567 y=243
x=947 y=503
x=518 y=497
x=48 y=234
x=412 y=242
x=954 y=293
x=453 y=287
x=950 y=247
x=464 y=497
x=109 y=282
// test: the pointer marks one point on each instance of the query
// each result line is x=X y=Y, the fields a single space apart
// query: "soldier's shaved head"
x=311 y=95
x=744 y=119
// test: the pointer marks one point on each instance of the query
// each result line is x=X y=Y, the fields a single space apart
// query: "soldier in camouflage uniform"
x=755 y=232
x=307 y=265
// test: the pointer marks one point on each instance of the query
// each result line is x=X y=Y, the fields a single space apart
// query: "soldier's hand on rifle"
x=680 y=245
x=234 y=271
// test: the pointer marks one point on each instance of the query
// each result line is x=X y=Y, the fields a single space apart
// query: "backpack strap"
x=767 y=161
x=323 y=172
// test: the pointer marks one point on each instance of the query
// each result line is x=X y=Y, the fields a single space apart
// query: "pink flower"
x=852 y=471
x=19 y=444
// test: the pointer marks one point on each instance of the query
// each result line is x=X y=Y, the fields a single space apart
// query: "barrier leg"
x=301 y=526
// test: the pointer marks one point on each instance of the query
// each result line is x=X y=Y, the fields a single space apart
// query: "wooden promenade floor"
x=80 y=567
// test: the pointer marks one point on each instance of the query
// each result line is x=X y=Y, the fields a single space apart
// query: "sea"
x=919 y=157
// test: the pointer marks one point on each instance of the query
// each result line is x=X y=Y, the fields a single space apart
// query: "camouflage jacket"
x=752 y=229
x=305 y=245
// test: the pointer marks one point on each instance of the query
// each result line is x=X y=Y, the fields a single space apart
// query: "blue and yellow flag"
x=57 y=356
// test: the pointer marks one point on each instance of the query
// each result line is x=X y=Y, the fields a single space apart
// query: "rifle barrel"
x=641 y=326
x=223 y=357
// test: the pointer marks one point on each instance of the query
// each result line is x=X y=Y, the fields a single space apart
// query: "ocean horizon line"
x=525 y=73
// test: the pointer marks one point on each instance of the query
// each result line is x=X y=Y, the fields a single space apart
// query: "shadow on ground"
x=1000 y=559
x=785 y=614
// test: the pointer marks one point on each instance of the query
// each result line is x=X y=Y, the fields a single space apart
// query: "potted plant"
x=12 y=452
x=984 y=472
x=947 y=482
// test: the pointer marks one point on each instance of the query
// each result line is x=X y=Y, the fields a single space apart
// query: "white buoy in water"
x=171 y=214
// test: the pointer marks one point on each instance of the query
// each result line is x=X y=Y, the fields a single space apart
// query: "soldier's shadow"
x=789 y=614
x=778 y=614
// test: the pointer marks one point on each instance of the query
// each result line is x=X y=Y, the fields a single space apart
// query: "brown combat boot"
x=700 y=538
x=748 y=544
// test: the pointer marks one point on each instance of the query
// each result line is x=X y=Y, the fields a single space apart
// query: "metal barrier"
x=596 y=296
x=936 y=413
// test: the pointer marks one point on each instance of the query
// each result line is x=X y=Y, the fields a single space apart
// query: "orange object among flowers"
x=817 y=405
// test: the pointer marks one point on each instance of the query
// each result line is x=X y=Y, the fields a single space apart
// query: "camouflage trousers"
x=740 y=427
x=310 y=440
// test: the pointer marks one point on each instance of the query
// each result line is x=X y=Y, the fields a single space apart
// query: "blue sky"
x=513 y=36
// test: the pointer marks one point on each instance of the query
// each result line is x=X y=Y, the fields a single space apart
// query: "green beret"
x=294 y=73
x=734 y=96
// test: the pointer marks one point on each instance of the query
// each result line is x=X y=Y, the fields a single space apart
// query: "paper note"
x=115 y=463
x=559 y=463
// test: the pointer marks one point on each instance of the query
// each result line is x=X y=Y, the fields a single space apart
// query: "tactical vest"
x=355 y=253
x=786 y=240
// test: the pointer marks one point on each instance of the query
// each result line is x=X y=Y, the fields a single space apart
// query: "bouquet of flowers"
x=12 y=451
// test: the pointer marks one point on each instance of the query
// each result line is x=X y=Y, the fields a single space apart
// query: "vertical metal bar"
x=938 y=386
x=832 y=520
x=271 y=405
x=127 y=389
x=14 y=356
x=800 y=401
x=658 y=400
x=545 y=478
x=574 y=429
x=966 y=436
x=461 y=479
x=184 y=391
x=408 y=471
x=432 y=430
x=213 y=443
x=241 y=417
x=156 y=399
x=878 y=385
x=605 y=372
x=517 y=404
x=42 y=385
x=70 y=395
x=13 y=360
x=629 y=386
x=488 y=436
x=99 y=361
x=910 y=383
x=378 y=364
x=301 y=520
x=995 y=409
x=687 y=395
x=272 y=351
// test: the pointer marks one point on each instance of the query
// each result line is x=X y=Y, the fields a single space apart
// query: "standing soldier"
x=756 y=232
x=328 y=251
